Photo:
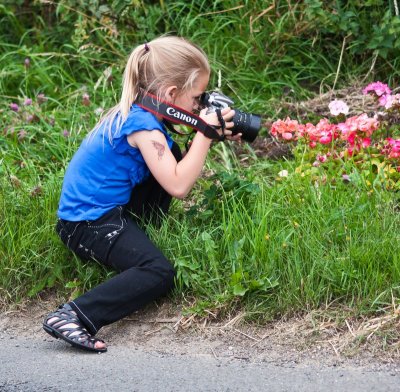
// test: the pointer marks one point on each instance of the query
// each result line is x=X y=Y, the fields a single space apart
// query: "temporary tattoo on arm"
x=160 y=148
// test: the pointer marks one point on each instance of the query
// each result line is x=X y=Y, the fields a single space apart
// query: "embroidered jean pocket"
x=96 y=238
x=104 y=233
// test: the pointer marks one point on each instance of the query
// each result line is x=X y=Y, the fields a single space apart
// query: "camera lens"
x=247 y=124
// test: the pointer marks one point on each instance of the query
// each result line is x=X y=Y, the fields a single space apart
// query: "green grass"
x=288 y=247
x=252 y=239
x=277 y=246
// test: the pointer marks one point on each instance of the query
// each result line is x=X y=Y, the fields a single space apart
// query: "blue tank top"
x=101 y=175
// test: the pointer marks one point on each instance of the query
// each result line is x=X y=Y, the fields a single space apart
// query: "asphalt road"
x=45 y=364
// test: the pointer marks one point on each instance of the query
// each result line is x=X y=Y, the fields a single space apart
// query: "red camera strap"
x=177 y=115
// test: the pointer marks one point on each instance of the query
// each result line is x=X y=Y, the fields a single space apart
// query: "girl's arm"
x=177 y=178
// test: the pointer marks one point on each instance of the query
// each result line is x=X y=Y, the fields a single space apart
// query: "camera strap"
x=177 y=115
x=222 y=122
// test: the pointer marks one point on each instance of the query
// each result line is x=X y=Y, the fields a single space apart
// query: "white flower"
x=283 y=173
x=337 y=107
x=99 y=111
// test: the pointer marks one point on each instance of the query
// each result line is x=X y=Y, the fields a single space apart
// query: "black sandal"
x=80 y=338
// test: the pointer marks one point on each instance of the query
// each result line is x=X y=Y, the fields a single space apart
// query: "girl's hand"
x=227 y=115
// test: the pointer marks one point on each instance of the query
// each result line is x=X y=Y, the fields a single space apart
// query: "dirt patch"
x=319 y=106
x=263 y=147
x=161 y=327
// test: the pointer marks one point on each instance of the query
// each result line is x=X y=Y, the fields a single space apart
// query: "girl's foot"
x=65 y=324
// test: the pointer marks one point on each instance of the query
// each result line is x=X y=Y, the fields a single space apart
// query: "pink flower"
x=85 y=99
x=22 y=134
x=323 y=130
x=378 y=88
x=367 y=124
x=65 y=133
x=32 y=118
x=14 y=107
x=41 y=98
x=356 y=124
x=351 y=124
x=392 y=148
x=312 y=133
x=326 y=138
x=344 y=128
x=389 y=101
x=351 y=138
x=366 y=142
x=27 y=102
x=286 y=130
x=337 y=107
x=27 y=62
x=287 y=136
x=383 y=99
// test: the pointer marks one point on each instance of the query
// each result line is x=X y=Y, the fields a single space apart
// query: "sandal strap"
x=83 y=338
x=64 y=315
x=77 y=334
x=64 y=312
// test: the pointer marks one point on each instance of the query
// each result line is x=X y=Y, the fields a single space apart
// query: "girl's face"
x=189 y=100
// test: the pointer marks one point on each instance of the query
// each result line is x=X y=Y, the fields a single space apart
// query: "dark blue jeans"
x=117 y=241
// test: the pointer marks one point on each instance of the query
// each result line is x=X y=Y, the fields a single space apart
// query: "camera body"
x=247 y=124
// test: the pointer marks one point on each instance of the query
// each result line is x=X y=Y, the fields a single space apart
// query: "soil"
x=162 y=328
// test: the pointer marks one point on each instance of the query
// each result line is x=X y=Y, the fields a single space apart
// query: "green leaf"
x=239 y=290
x=38 y=287
x=72 y=284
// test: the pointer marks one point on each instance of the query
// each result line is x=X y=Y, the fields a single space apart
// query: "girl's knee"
x=168 y=273
x=165 y=272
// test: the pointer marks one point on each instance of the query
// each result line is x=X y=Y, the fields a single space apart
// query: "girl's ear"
x=171 y=93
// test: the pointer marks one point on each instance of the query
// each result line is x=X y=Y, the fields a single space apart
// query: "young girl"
x=129 y=167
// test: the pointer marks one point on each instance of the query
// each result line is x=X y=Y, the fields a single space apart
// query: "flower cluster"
x=392 y=148
x=337 y=107
x=384 y=95
x=285 y=130
x=356 y=131
x=29 y=111
x=26 y=112
x=340 y=138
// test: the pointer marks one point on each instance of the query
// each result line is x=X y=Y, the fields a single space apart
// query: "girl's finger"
x=229 y=115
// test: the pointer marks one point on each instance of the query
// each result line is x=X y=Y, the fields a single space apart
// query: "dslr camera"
x=247 y=124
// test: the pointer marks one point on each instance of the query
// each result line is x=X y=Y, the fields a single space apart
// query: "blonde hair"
x=151 y=67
